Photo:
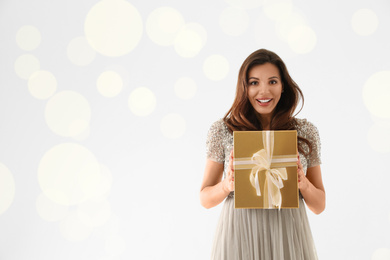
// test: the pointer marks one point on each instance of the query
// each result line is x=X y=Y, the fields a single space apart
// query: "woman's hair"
x=242 y=116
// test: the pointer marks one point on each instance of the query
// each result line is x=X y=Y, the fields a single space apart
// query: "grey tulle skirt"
x=253 y=234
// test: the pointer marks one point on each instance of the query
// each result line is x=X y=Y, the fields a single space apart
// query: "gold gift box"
x=265 y=169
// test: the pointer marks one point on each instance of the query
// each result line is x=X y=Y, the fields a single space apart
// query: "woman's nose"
x=263 y=88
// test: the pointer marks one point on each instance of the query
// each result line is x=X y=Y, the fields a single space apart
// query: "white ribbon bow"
x=273 y=177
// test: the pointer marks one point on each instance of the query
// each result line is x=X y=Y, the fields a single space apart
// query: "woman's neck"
x=265 y=121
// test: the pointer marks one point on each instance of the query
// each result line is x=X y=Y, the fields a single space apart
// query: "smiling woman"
x=266 y=98
x=264 y=90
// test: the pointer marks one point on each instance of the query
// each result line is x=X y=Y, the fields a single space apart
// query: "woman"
x=266 y=98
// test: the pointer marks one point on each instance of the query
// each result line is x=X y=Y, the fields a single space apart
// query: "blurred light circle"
x=216 y=67
x=381 y=254
x=7 y=188
x=379 y=137
x=278 y=10
x=49 y=210
x=113 y=27
x=74 y=229
x=94 y=212
x=190 y=40
x=42 y=84
x=245 y=4
x=142 y=101
x=69 y=174
x=28 y=37
x=76 y=134
x=25 y=65
x=364 y=22
x=234 y=21
x=285 y=26
x=109 y=228
x=105 y=181
x=173 y=126
x=163 y=24
x=185 y=88
x=80 y=52
x=109 y=84
x=68 y=114
x=302 y=39
x=376 y=94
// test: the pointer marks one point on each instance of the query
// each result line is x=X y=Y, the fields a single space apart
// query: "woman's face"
x=265 y=88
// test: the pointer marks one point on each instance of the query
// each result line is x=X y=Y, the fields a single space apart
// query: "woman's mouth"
x=264 y=101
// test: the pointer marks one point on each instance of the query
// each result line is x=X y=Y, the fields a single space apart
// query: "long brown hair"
x=242 y=116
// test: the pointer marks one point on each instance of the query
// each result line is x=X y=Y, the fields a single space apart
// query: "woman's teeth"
x=264 y=100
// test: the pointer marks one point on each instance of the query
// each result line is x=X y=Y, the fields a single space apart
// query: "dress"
x=253 y=234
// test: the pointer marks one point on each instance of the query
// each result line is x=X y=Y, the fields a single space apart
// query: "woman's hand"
x=311 y=187
x=228 y=182
x=303 y=182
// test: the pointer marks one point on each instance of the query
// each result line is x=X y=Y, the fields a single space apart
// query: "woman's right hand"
x=228 y=182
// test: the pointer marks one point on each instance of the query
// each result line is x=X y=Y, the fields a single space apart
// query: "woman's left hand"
x=303 y=182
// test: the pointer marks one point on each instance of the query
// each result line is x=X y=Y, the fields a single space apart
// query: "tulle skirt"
x=253 y=234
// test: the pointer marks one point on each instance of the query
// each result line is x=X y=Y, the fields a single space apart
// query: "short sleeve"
x=214 y=142
x=313 y=136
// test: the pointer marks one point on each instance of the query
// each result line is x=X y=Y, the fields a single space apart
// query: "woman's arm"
x=213 y=189
x=312 y=188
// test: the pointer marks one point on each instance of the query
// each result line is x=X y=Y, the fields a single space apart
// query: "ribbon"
x=274 y=177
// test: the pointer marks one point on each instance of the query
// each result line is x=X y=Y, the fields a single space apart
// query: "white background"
x=105 y=108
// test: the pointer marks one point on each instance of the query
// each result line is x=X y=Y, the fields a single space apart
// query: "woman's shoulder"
x=305 y=127
x=219 y=126
x=219 y=131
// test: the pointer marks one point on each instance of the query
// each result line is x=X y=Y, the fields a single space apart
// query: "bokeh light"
x=216 y=67
x=28 y=37
x=109 y=228
x=245 y=4
x=173 y=126
x=142 y=101
x=278 y=10
x=82 y=135
x=69 y=174
x=25 y=65
x=285 y=26
x=50 y=210
x=190 y=40
x=163 y=24
x=379 y=137
x=302 y=39
x=42 y=84
x=185 y=88
x=381 y=254
x=80 y=52
x=364 y=22
x=109 y=84
x=234 y=21
x=113 y=27
x=73 y=228
x=7 y=188
x=103 y=187
x=68 y=113
x=94 y=212
x=376 y=94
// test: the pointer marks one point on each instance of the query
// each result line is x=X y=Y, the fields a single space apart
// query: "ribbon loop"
x=273 y=177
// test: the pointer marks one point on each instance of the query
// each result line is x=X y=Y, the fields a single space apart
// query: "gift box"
x=265 y=169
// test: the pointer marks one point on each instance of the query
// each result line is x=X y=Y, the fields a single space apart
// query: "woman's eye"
x=272 y=82
x=253 y=83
